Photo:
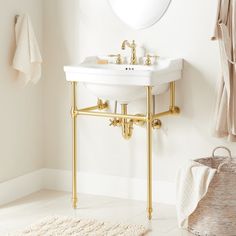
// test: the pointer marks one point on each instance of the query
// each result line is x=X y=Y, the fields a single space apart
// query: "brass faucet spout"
x=125 y=42
x=133 y=59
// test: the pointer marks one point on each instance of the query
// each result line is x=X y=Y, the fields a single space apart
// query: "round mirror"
x=139 y=14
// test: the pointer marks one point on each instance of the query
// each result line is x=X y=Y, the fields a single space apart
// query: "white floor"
x=28 y=210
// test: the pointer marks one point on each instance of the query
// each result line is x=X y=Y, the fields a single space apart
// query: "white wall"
x=21 y=108
x=59 y=26
x=73 y=32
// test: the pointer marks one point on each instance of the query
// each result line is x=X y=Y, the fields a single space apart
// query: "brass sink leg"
x=149 y=117
x=74 y=147
x=173 y=108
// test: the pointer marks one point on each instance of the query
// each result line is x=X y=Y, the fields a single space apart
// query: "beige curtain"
x=225 y=33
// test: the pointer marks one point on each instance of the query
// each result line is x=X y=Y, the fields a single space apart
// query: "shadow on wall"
x=12 y=45
x=197 y=112
x=192 y=89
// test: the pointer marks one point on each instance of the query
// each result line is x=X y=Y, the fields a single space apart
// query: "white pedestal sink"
x=124 y=83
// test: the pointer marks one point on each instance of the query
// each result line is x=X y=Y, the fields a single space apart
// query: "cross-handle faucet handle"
x=148 y=61
x=118 y=58
x=115 y=122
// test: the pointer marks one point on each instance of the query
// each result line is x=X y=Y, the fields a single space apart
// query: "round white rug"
x=63 y=226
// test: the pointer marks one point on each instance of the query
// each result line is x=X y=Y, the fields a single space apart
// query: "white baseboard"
x=20 y=187
x=88 y=183
x=113 y=186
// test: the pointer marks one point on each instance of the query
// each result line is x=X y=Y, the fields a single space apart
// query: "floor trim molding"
x=89 y=183
x=21 y=186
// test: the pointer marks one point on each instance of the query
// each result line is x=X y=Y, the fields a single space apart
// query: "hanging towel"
x=225 y=33
x=27 y=59
x=192 y=184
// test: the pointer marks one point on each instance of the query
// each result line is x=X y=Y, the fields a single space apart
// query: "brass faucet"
x=148 y=61
x=133 y=59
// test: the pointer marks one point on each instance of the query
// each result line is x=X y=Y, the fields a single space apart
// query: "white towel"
x=192 y=184
x=27 y=59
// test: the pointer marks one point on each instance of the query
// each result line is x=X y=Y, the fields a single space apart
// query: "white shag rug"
x=64 y=226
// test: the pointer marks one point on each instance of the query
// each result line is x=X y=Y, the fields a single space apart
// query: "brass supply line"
x=133 y=59
x=115 y=121
x=126 y=124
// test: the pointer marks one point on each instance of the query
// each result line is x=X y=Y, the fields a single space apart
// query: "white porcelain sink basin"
x=124 y=83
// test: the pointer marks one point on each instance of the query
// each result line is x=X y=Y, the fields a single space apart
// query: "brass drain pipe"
x=126 y=125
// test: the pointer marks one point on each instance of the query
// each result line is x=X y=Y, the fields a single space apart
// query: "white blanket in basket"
x=192 y=184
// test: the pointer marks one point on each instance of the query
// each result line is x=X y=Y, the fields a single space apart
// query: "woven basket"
x=216 y=212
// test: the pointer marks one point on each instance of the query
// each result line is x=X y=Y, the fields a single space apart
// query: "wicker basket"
x=216 y=212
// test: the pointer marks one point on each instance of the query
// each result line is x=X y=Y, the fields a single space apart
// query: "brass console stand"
x=148 y=118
